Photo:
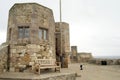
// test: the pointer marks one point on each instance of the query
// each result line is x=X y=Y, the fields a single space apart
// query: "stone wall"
x=23 y=55
x=118 y=61
x=107 y=61
x=3 y=58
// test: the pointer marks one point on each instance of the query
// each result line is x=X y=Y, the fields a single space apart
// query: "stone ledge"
x=32 y=76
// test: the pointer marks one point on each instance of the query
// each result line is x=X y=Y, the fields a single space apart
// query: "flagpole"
x=61 y=54
x=60 y=11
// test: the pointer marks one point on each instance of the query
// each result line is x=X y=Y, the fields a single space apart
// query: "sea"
x=107 y=57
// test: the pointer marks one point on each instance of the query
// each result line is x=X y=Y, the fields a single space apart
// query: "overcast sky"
x=94 y=24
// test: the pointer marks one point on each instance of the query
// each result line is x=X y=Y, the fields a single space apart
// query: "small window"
x=20 y=32
x=23 y=32
x=43 y=33
x=40 y=33
x=26 y=33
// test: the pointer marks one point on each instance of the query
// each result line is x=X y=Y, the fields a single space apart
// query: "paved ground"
x=89 y=72
x=96 y=72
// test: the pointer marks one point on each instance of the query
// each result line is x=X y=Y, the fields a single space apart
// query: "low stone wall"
x=118 y=61
x=30 y=76
x=108 y=61
x=61 y=77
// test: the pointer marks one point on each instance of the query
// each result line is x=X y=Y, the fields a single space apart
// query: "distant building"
x=79 y=56
x=84 y=57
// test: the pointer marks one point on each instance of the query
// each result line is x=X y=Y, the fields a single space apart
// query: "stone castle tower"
x=74 y=53
x=32 y=33
x=62 y=41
